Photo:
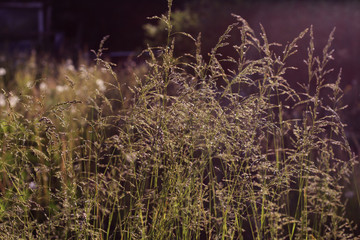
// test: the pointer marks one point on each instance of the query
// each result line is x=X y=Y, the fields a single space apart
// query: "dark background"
x=87 y=21
x=83 y=23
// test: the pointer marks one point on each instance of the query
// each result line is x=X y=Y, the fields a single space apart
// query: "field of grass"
x=179 y=147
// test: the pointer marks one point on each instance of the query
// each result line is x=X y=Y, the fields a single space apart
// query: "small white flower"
x=29 y=84
x=13 y=100
x=43 y=86
x=83 y=71
x=71 y=68
x=2 y=100
x=73 y=109
x=61 y=89
x=101 y=85
x=69 y=65
x=32 y=185
x=2 y=71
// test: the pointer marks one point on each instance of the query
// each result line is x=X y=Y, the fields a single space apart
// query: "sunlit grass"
x=163 y=151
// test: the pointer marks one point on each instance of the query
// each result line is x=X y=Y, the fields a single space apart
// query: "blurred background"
x=65 y=28
x=69 y=29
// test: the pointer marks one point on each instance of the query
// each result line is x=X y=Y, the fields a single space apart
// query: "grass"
x=185 y=149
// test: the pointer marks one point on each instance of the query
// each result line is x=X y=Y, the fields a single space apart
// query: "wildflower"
x=2 y=100
x=32 y=185
x=29 y=84
x=83 y=71
x=101 y=85
x=2 y=72
x=69 y=65
x=73 y=109
x=61 y=89
x=43 y=86
x=13 y=100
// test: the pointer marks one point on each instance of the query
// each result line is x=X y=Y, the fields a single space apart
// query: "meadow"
x=187 y=146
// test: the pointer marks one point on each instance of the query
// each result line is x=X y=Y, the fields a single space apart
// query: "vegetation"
x=187 y=149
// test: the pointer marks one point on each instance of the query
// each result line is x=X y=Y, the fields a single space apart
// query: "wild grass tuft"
x=195 y=147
